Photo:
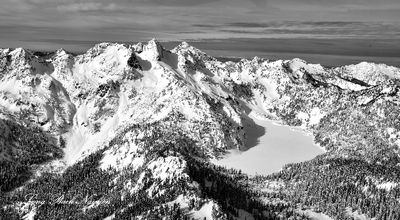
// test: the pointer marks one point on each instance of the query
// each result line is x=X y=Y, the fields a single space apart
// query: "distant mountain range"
x=128 y=131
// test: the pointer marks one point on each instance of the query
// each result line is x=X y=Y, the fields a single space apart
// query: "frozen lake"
x=270 y=147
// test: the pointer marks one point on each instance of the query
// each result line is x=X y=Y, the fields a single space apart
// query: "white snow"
x=387 y=185
x=356 y=215
x=275 y=146
x=370 y=73
x=388 y=90
x=204 y=212
x=315 y=116
x=271 y=186
x=9 y=106
x=167 y=168
x=82 y=141
x=362 y=100
x=382 y=184
x=111 y=217
x=122 y=157
x=314 y=215
x=303 y=116
x=394 y=135
x=109 y=64
x=12 y=86
x=30 y=215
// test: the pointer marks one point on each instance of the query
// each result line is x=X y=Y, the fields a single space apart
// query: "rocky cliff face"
x=145 y=119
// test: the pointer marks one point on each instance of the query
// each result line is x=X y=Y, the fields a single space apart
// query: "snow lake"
x=270 y=147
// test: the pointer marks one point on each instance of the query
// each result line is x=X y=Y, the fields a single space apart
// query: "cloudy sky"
x=73 y=24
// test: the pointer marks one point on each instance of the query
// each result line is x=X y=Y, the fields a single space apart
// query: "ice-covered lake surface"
x=270 y=147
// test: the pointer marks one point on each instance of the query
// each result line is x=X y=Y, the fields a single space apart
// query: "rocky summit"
x=129 y=132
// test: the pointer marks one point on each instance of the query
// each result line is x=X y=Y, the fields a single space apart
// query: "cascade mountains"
x=128 y=132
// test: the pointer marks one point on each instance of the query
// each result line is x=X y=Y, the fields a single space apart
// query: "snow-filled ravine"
x=270 y=147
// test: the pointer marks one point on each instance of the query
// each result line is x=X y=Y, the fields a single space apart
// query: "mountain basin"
x=269 y=146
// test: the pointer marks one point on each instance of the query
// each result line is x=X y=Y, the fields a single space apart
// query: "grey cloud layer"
x=25 y=21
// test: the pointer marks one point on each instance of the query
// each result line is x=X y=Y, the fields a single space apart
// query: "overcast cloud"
x=50 y=24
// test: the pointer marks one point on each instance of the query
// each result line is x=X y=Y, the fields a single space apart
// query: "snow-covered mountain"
x=144 y=121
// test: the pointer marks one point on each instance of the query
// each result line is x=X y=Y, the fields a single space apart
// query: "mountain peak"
x=184 y=44
x=153 y=41
x=18 y=52
x=61 y=51
x=191 y=53
x=153 y=49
